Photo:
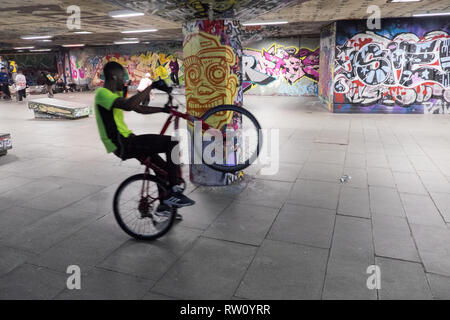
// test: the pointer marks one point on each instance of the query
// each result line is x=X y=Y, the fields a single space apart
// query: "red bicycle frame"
x=147 y=161
x=174 y=116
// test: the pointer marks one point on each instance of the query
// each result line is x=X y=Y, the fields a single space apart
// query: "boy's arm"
x=134 y=103
x=131 y=103
x=150 y=110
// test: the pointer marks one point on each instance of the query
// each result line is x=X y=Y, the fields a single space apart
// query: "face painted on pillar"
x=209 y=81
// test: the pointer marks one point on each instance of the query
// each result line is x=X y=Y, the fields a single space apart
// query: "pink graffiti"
x=289 y=62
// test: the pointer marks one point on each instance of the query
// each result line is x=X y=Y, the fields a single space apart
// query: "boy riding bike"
x=117 y=138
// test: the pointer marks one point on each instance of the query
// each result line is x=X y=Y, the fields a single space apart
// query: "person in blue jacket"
x=4 y=82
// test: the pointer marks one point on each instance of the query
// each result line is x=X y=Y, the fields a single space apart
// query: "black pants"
x=5 y=89
x=50 y=90
x=146 y=100
x=150 y=145
x=174 y=78
x=22 y=94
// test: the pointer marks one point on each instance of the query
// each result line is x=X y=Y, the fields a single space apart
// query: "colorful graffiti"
x=327 y=47
x=211 y=68
x=287 y=64
x=212 y=58
x=402 y=73
x=86 y=66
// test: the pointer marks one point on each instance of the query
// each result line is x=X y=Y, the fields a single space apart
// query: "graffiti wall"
x=281 y=67
x=402 y=68
x=326 y=62
x=84 y=66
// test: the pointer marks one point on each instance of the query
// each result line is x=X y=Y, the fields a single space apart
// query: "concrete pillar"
x=212 y=53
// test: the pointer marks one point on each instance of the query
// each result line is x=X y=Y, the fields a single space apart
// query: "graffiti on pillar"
x=208 y=76
x=278 y=62
x=327 y=47
x=211 y=51
x=405 y=71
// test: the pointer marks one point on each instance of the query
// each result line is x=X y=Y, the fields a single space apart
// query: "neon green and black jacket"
x=110 y=120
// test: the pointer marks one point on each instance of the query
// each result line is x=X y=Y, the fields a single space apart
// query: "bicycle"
x=136 y=212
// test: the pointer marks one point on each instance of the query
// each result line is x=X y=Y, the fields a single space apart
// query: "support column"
x=212 y=53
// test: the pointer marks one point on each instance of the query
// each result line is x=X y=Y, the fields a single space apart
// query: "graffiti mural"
x=212 y=67
x=212 y=58
x=282 y=67
x=327 y=47
x=86 y=65
x=404 y=73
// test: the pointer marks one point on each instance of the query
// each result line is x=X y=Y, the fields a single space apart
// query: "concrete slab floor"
x=296 y=234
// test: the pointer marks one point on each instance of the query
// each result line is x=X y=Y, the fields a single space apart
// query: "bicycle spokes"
x=136 y=206
x=233 y=140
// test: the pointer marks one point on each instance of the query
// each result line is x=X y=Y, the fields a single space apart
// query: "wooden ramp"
x=49 y=108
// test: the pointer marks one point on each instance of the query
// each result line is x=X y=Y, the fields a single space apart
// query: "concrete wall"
x=281 y=67
x=402 y=68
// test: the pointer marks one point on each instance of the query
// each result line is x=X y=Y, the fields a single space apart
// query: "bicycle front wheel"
x=135 y=207
x=234 y=141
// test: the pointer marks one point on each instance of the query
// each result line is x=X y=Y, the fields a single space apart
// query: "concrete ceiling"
x=38 y=17
x=186 y=10
x=328 y=10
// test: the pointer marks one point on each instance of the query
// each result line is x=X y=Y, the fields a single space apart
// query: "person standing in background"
x=21 y=85
x=143 y=84
x=3 y=63
x=49 y=81
x=13 y=70
x=4 y=82
x=174 y=68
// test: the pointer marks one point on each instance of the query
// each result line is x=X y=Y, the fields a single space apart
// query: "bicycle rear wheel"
x=236 y=138
x=134 y=206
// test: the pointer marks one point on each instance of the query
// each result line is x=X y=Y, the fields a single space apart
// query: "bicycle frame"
x=186 y=116
x=147 y=162
x=174 y=116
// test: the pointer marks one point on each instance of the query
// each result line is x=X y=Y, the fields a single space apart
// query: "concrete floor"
x=299 y=234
